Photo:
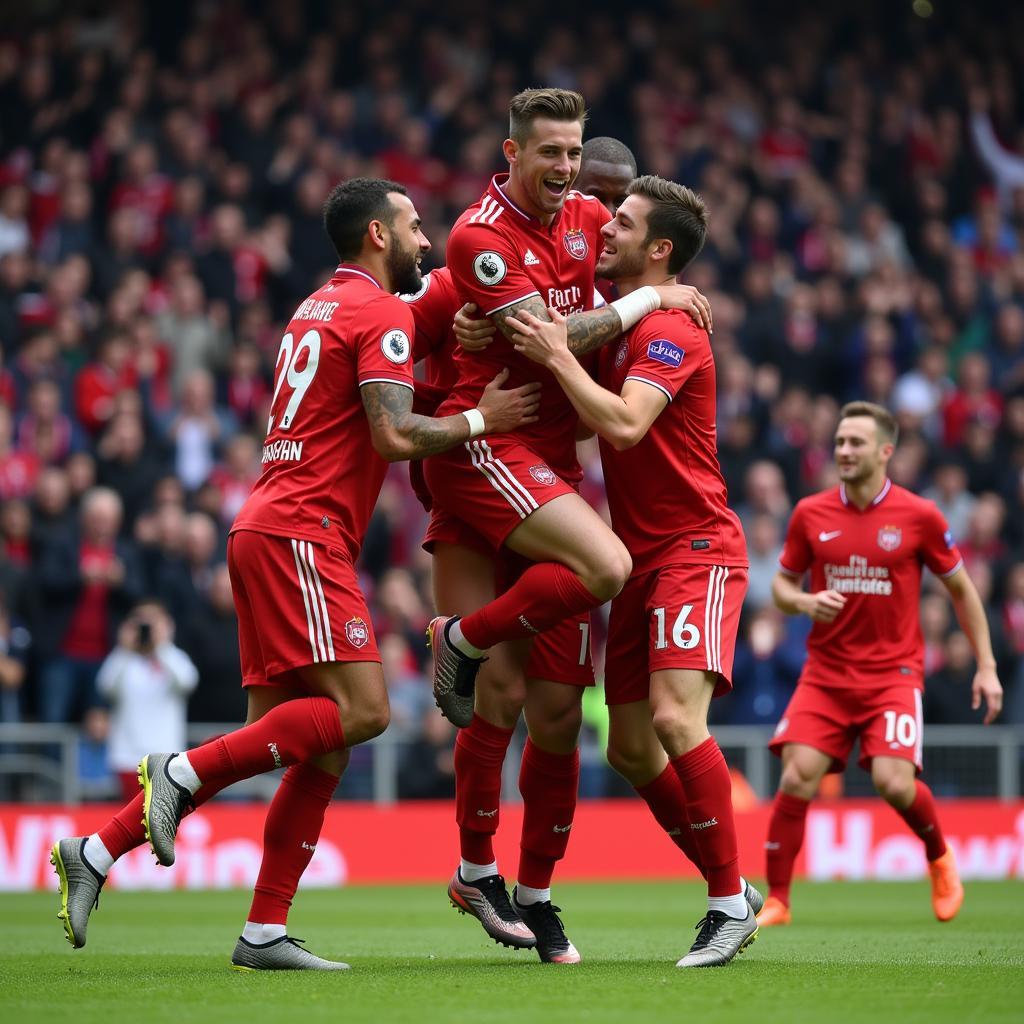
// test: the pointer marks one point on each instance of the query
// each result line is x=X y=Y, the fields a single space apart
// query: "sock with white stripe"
x=545 y=595
x=298 y=730
x=526 y=896
x=453 y=632
x=97 y=854
x=470 y=872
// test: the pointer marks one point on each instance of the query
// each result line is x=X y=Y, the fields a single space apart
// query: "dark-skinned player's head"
x=375 y=217
x=607 y=168
x=545 y=145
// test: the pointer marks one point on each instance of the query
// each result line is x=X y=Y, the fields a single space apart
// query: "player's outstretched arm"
x=970 y=613
x=791 y=598
x=398 y=433
x=622 y=420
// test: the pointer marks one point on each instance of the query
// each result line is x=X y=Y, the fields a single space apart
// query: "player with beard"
x=341 y=411
x=864 y=544
x=672 y=630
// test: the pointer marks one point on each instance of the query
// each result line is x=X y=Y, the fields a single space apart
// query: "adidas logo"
x=699 y=826
x=529 y=260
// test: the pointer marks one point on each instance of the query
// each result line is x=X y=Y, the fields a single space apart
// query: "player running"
x=529 y=236
x=864 y=544
x=672 y=630
x=341 y=411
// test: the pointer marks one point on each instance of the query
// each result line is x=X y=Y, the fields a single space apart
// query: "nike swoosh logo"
x=823 y=536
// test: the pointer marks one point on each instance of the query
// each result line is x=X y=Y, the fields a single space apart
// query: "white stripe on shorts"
x=313 y=633
x=501 y=479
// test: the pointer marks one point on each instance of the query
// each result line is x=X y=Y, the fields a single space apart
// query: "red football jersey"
x=499 y=255
x=321 y=475
x=666 y=495
x=433 y=311
x=874 y=558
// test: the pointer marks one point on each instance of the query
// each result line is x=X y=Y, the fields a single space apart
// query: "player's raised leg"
x=896 y=781
x=803 y=768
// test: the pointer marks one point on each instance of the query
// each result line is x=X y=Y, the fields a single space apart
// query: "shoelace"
x=707 y=926
x=493 y=888
x=550 y=924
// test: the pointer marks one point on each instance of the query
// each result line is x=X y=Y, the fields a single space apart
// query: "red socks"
x=785 y=837
x=288 y=734
x=290 y=834
x=708 y=788
x=124 y=831
x=545 y=595
x=549 y=784
x=923 y=819
x=667 y=801
x=479 y=754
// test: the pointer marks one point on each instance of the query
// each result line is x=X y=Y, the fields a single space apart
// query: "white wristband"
x=636 y=305
x=475 y=418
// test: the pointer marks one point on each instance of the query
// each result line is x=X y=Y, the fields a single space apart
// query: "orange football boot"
x=774 y=912
x=947 y=892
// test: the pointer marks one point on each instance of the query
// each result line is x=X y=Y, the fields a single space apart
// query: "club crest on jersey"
x=542 y=475
x=357 y=632
x=620 y=355
x=419 y=293
x=575 y=243
x=890 y=538
x=489 y=268
x=665 y=352
x=395 y=346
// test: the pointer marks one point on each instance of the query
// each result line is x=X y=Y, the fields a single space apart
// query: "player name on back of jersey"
x=316 y=309
x=282 y=450
x=858 y=577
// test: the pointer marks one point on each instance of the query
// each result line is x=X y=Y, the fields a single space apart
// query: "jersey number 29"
x=288 y=358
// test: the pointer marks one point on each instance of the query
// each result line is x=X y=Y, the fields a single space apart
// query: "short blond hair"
x=888 y=428
x=555 y=104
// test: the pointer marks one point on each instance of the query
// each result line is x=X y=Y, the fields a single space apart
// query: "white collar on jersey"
x=886 y=487
x=504 y=195
x=342 y=268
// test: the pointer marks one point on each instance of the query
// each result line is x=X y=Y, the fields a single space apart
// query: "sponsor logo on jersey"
x=529 y=260
x=357 y=632
x=620 y=356
x=575 y=243
x=665 y=352
x=889 y=538
x=489 y=268
x=858 y=577
x=395 y=346
x=419 y=293
x=542 y=475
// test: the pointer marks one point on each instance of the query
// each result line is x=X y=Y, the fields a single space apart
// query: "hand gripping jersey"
x=873 y=557
x=666 y=495
x=321 y=475
x=499 y=255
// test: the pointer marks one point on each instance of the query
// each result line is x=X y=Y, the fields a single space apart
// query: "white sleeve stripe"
x=664 y=390
x=945 y=575
x=387 y=380
x=511 y=302
x=790 y=572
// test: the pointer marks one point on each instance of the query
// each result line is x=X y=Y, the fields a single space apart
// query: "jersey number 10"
x=288 y=357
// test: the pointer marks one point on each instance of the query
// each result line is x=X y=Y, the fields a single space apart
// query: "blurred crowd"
x=162 y=171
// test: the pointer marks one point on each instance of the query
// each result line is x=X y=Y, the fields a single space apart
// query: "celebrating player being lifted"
x=865 y=543
x=672 y=631
x=341 y=410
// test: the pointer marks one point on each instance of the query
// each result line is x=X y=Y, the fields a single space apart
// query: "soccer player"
x=672 y=630
x=529 y=236
x=341 y=411
x=864 y=544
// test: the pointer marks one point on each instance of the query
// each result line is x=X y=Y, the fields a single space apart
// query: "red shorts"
x=886 y=718
x=561 y=654
x=493 y=483
x=680 y=616
x=298 y=604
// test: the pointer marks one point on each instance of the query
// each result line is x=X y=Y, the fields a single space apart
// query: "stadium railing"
x=45 y=764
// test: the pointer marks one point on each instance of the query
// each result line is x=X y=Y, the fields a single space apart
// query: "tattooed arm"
x=398 y=433
x=587 y=331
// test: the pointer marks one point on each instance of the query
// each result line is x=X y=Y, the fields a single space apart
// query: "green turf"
x=859 y=952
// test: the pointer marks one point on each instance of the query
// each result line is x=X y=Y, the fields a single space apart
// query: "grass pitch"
x=858 y=952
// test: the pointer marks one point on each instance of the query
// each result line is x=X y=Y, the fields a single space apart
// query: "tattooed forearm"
x=587 y=331
x=399 y=433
